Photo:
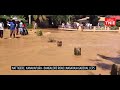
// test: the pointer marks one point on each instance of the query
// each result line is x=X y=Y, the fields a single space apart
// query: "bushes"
x=118 y=23
x=114 y=28
x=30 y=26
x=39 y=33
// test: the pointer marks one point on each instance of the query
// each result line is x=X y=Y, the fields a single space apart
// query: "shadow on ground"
x=5 y=38
x=17 y=37
x=101 y=65
x=104 y=66
x=8 y=38
x=95 y=60
x=115 y=60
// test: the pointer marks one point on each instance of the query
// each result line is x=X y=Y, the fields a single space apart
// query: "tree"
x=41 y=20
x=93 y=19
x=68 y=18
x=58 y=19
x=25 y=16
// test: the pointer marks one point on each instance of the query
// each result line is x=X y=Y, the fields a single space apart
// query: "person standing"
x=12 y=28
x=25 y=32
x=8 y=24
x=17 y=27
x=35 y=25
x=63 y=25
x=21 y=27
x=77 y=24
x=1 y=29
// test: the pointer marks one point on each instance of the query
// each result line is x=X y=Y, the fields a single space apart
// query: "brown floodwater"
x=33 y=50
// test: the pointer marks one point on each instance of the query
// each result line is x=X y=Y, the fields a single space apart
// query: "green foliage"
x=102 y=24
x=39 y=33
x=114 y=28
x=35 y=17
x=60 y=18
x=118 y=23
x=93 y=20
x=102 y=28
x=30 y=26
x=20 y=16
x=4 y=16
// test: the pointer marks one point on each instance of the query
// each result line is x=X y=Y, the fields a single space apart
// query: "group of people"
x=74 y=25
x=88 y=26
x=15 y=27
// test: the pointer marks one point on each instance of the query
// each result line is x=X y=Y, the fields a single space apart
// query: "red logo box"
x=110 y=21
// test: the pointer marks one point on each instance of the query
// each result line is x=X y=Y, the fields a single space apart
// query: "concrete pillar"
x=79 y=29
x=94 y=28
x=105 y=28
x=108 y=28
x=29 y=19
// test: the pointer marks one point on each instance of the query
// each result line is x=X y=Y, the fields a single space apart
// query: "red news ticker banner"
x=110 y=21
